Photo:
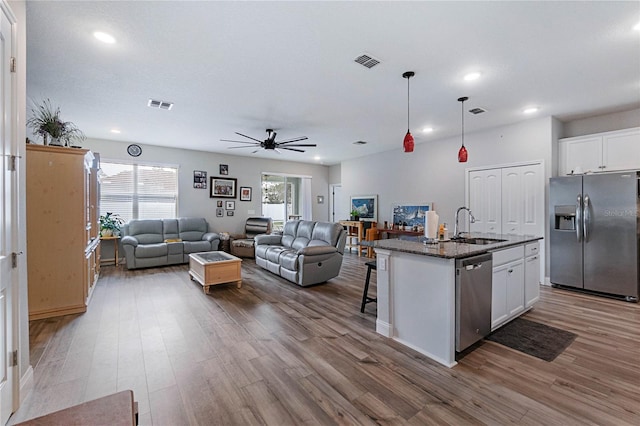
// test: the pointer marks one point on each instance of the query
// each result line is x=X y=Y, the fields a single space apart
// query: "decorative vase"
x=106 y=233
x=355 y=218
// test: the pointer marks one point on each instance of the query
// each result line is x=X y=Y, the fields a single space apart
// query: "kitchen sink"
x=478 y=241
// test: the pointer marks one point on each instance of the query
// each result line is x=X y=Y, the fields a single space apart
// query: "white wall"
x=196 y=202
x=602 y=123
x=432 y=172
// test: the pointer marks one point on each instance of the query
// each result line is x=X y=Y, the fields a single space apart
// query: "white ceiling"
x=248 y=66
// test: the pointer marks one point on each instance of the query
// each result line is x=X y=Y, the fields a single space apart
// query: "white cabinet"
x=531 y=274
x=600 y=152
x=508 y=289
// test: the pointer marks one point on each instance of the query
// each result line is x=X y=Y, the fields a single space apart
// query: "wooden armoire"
x=62 y=229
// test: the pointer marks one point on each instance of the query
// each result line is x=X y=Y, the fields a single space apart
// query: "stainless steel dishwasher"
x=473 y=299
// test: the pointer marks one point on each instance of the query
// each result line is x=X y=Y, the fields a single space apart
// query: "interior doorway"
x=338 y=208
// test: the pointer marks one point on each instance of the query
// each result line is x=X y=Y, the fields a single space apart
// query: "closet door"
x=512 y=200
x=485 y=200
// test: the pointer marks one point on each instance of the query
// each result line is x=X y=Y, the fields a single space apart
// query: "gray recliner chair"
x=245 y=246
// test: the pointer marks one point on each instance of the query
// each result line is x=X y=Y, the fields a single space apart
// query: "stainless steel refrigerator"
x=594 y=233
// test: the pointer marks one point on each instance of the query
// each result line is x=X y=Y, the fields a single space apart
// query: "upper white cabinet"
x=601 y=152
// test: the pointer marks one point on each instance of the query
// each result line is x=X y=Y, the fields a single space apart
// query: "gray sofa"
x=158 y=242
x=306 y=253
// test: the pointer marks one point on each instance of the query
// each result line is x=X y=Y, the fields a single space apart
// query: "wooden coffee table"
x=215 y=267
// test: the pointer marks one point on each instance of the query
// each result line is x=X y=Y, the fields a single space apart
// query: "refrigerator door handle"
x=586 y=222
x=579 y=218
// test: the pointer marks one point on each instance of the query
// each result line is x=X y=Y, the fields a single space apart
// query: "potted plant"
x=45 y=121
x=110 y=224
x=355 y=214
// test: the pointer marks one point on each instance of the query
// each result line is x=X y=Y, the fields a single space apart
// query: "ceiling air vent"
x=477 y=110
x=359 y=143
x=159 y=104
x=367 y=61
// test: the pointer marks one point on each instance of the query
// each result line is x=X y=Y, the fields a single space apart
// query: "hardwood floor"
x=278 y=354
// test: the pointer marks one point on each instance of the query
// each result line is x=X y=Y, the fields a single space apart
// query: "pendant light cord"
x=408 y=94
x=462 y=113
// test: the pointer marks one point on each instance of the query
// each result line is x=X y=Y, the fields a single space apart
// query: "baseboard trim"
x=26 y=384
x=383 y=328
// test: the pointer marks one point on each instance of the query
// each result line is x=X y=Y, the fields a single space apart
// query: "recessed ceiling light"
x=472 y=76
x=637 y=27
x=427 y=130
x=317 y=158
x=104 y=37
x=115 y=131
x=531 y=110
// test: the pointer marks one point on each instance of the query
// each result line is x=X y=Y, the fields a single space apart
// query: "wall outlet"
x=251 y=212
x=382 y=264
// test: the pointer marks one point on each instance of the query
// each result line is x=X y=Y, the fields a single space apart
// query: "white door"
x=485 y=200
x=339 y=209
x=7 y=200
x=511 y=200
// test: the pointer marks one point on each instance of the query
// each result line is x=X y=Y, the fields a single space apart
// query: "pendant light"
x=462 y=154
x=408 y=138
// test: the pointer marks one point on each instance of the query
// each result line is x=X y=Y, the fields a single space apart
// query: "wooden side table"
x=116 y=243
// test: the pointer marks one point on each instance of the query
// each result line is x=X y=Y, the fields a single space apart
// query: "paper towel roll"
x=431 y=224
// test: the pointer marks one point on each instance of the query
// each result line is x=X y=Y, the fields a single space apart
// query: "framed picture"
x=219 y=212
x=411 y=213
x=366 y=206
x=231 y=205
x=224 y=169
x=199 y=179
x=229 y=212
x=245 y=193
x=223 y=187
x=219 y=203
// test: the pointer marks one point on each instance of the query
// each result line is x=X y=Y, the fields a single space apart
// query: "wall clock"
x=134 y=150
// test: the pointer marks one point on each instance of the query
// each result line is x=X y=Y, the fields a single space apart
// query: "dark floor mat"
x=533 y=338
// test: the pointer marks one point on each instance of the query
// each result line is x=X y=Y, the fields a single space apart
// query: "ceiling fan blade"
x=299 y=144
x=291 y=149
x=247 y=146
x=248 y=137
x=301 y=138
x=229 y=140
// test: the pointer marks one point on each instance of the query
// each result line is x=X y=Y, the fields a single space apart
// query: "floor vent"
x=367 y=61
x=477 y=110
x=159 y=104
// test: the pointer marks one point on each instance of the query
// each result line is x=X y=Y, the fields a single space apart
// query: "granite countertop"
x=454 y=249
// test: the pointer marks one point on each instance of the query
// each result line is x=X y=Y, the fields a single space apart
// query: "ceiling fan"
x=270 y=143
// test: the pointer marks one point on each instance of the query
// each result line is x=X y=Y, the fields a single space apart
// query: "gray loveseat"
x=306 y=253
x=158 y=242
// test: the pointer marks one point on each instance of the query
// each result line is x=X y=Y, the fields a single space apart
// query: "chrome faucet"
x=472 y=219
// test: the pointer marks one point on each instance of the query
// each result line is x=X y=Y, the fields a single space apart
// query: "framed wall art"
x=245 y=193
x=229 y=212
x=219 y=212
x=223 y=187
x=366 y=206
x=230 y=205
x=200 y=179
x=224 y=169
x=411 y=213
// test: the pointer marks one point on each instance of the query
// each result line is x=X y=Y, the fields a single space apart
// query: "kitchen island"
x=416 y=288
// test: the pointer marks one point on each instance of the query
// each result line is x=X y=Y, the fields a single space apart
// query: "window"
x=286 y=197
x=138 y=191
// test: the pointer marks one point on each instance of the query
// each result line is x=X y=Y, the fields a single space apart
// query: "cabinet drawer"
x=531 y=249
x=504 y=256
